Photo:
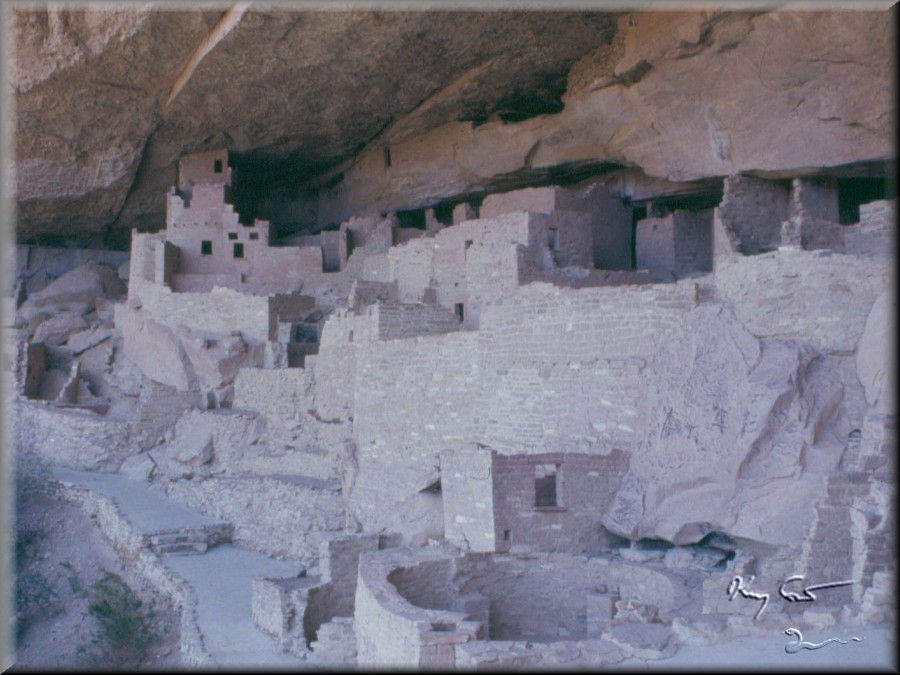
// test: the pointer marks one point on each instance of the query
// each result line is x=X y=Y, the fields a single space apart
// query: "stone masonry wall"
x=875 y=234
x=280 y=393
x=404 y=321
x=609 y=240
x=144 y=564
x=753 y=209
x=247 y=502
x=655 y=244
x=220 y=311
x=814 y=198
x=585 y=483
x=200 y=167
x=467 y=491
x=562 y=368
x=543 y=597
x=74 y=439
x=413 y=398
x=693 y=241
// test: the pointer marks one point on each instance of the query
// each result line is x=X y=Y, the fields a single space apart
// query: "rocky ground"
x=77 y=604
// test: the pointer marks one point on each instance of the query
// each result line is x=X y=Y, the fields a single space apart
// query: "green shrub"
x=123 y=629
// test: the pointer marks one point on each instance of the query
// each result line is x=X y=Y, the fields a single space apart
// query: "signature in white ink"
x=796 y=645
x=808 y=590
x=737 y=586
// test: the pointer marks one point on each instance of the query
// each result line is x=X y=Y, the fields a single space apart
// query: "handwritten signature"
x=796 y=645
x=736 y=585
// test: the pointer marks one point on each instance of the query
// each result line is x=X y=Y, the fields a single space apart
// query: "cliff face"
x=107 y=99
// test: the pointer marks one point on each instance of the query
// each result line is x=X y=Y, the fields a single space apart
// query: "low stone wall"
x=301 y=506
x=70 y=438
x=406 y=598
x=316 y=611
x=391 y=631
x=142 y=562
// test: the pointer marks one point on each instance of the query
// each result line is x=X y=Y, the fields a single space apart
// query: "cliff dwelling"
x=461 y=339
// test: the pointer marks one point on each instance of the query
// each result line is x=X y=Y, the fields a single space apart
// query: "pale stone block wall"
x=412 y=267
x=344 y=335
x=610 y=224
x=780 y=294
x=467 y=490
x=609 y=237
x=538 y=200
x=200 y=167
x=563 y=369
x=167 y=257
x=392 y=626
x=334 y=250
x=412 y=398
x=248 y=504
x=204 y=283
x=222 y=311
x=142 y=270
x=145 y=564
x=875 y=234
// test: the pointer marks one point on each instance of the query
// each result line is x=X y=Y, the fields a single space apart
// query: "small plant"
x=72 y=578
x=123 y=630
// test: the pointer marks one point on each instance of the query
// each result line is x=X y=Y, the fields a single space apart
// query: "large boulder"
x=741 y=434
x=75 y=291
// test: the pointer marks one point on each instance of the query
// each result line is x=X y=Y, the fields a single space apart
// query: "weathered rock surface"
x=57 y=328
x=108 y=98
x=78 y=291
x=741 y=432
x=691 y=95
x=875 y=355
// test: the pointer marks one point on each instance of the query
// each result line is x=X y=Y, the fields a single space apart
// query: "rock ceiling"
x=107 y=99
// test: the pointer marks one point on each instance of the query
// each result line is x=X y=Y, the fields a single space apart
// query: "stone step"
x=208 y=536
x=177 y=538
x=187 y=548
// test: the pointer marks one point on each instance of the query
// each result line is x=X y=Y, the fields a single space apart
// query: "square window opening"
x=206 y=247
x=238 y=250
x=254 y=235
x=232 y=235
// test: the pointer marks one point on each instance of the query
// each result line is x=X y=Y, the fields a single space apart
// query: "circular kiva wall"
x=434 y=607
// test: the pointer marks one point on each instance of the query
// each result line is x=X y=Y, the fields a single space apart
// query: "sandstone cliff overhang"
x=108 y=98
